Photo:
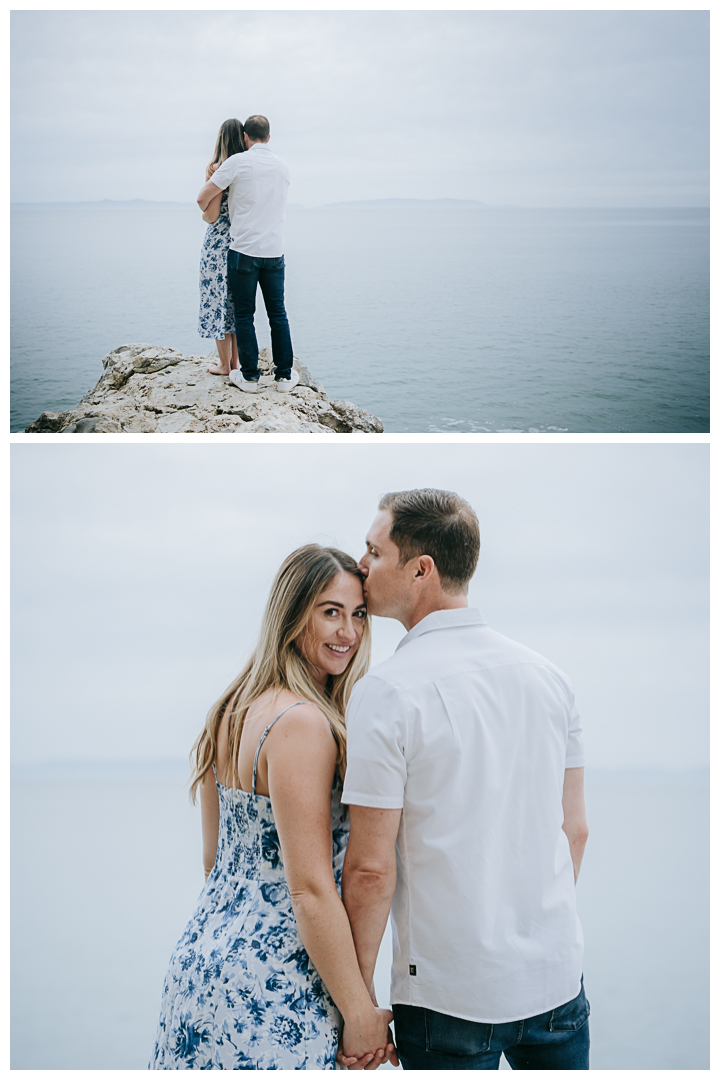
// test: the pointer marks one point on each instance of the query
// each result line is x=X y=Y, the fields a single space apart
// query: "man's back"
x=258 y=184
x=470 y=734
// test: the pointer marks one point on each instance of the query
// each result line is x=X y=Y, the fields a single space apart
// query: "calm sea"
x=106 y=871
x=435 y=319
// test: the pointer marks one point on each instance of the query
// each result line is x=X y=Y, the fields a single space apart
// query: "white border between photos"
x=364 y=5
x=334 y=438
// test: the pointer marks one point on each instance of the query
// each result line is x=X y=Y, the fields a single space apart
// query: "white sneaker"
x=283 y=386
x=237 y=379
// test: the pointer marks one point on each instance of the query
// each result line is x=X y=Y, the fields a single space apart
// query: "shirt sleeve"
x=575 y=753
x=226 y=173
x=376 y=734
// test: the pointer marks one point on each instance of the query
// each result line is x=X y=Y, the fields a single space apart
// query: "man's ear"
x=424 y=568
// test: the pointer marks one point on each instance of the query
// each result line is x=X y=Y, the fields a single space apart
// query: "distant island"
x=410 y=204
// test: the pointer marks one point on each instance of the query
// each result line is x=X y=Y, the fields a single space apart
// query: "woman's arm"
x=300 y=768
x=213 y=210
x=210 y=815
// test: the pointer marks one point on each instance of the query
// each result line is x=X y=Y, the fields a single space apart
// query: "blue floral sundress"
x=217 y=314
x=241 y=991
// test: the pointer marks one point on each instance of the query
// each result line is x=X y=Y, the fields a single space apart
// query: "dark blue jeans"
x=245 y=273
x=559 y=1039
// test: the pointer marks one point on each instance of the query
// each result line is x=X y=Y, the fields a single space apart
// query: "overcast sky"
x=141 y=572
x=528 y=108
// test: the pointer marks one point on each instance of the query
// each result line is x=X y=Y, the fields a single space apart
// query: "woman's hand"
x=211 y=169
x=370 y=1061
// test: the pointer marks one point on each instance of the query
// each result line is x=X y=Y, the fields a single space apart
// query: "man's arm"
x=575 y=823
x=368 y=882
x=209 y=192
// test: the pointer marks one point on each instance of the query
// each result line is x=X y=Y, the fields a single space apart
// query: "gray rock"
x=50 y=421
x=346 y=417
x=148 y=389
x=179 y=421
x=96 y=423
x=273 y=423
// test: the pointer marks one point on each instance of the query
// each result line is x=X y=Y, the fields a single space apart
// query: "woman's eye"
x=331 y=611
x=361 y=613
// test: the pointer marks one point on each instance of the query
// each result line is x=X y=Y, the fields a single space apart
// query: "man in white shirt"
x=258 y=181
x=465 y=787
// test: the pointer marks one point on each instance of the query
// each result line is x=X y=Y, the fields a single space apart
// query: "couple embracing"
x=243 y=201
x=445 y=784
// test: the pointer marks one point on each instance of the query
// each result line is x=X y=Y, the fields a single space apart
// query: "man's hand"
x=367 y=1041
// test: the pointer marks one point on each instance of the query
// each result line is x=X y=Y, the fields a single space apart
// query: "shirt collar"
x=443 y=620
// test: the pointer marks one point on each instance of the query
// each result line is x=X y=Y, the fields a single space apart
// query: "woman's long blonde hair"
x=278 y=664
x=229 y=142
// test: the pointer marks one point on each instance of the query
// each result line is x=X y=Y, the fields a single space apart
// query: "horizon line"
x=468 y=203
x=177 y=761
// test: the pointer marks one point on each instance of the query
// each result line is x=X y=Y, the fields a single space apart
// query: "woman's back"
x=241 y=991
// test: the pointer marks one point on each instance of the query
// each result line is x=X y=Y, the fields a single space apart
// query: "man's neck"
x=441 y=603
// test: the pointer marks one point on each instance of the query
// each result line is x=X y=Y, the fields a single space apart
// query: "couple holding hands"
x=444 y=784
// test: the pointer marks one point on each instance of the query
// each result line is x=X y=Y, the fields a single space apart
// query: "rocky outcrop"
x=148 y=389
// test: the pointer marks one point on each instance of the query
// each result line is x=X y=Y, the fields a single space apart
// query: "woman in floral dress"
x=217 y=317
x=266 y=969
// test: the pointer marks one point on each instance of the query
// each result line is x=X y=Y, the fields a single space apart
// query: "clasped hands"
x=367 y=1042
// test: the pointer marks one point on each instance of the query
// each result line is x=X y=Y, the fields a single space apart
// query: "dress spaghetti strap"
x=264 y=737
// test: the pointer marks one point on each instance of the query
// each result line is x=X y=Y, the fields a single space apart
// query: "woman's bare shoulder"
x=301 y=741
x=293 y=720
x=272 y=702
x=301 y=714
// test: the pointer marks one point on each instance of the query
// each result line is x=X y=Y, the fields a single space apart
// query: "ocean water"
x=106 y=869
x=434 y=319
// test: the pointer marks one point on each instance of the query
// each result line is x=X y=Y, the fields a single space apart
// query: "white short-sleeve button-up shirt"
x=258 y=182
x=470 y=734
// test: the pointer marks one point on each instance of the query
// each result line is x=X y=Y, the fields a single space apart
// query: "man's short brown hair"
x=257 y=128
x=439 y=524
